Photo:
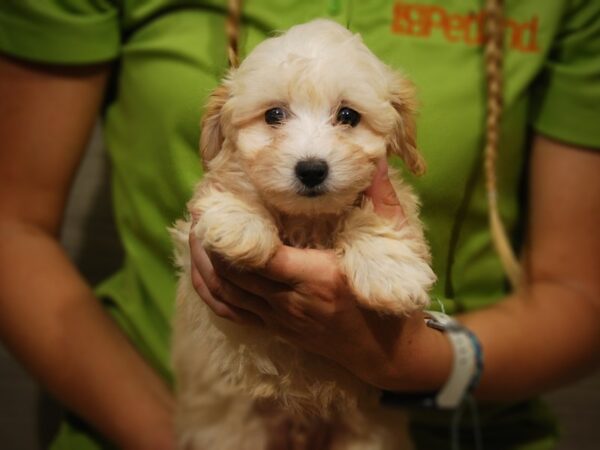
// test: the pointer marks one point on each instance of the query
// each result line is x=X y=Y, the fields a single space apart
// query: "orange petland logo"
x=424 y=20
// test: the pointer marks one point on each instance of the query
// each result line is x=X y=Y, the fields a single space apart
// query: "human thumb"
x=382 y=193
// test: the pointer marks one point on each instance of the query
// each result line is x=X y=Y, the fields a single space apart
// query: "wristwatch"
x=467 y=367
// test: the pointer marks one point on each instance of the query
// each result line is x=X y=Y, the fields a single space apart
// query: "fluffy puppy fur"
x=297 y=180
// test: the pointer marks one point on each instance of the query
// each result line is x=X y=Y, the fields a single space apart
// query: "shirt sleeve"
x=566 y=97
x=60 y=31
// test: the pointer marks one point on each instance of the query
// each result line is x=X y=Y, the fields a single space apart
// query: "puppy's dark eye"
x=347 y=116
x=275 y=116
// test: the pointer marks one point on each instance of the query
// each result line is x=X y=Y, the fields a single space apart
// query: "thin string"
x=440 y=304
x=457 y=417
x=455 y=426
x=476 y=423
x=232 y=30
x=494 y=40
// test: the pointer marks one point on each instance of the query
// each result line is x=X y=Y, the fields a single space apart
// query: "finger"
x=293 y=266
x=244 y=300
x=251 y=282
x=197 y=252
x=222 y=308
x=207 y=283
x=201 y=271
x=272 y=300
x=383 y=195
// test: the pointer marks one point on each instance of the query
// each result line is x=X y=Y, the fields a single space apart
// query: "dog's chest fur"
x=308 y=232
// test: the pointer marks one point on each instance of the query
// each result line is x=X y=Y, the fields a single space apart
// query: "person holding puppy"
x=112 y=369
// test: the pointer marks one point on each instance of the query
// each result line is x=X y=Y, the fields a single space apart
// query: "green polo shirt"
x=171 y=53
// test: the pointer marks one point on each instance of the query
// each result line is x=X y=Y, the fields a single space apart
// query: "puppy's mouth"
x=312 y=192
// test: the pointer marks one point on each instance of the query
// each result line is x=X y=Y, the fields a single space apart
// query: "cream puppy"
x=290 y=141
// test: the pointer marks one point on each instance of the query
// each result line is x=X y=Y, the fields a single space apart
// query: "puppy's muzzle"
x=312 y=172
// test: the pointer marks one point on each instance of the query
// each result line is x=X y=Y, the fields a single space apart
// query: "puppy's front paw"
x=387 y=276
x=386 y=268
x=243 y=235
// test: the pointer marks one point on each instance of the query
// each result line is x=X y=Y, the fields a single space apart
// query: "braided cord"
x=232 y=29
x=494 y=39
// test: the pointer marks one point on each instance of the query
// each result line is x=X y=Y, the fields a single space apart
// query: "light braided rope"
x=494 y=40
x=232 y=29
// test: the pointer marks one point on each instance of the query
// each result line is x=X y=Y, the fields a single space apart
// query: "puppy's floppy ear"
x=403 y=140
x=211 y=136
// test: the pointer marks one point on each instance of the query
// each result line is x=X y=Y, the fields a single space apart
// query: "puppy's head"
x=307 y=115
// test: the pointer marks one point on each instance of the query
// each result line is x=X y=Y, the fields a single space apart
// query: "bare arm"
x=548 y=332
x=544 y=335
x=49 y=317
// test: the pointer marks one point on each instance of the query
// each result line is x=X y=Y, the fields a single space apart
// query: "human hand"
x=302 y=295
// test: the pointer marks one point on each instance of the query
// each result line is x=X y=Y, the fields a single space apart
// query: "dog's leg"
x=386 y=266
x=213 y=411
x=242 y=233
x=221 y=423
x=377 y=429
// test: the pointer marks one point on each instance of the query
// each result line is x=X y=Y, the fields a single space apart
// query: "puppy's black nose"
x=312 y=172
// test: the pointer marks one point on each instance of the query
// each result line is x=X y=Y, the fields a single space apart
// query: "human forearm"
x=49 y=317
x=528 y=346
x=549 y=331
x=536 y=340
x=51 y=321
